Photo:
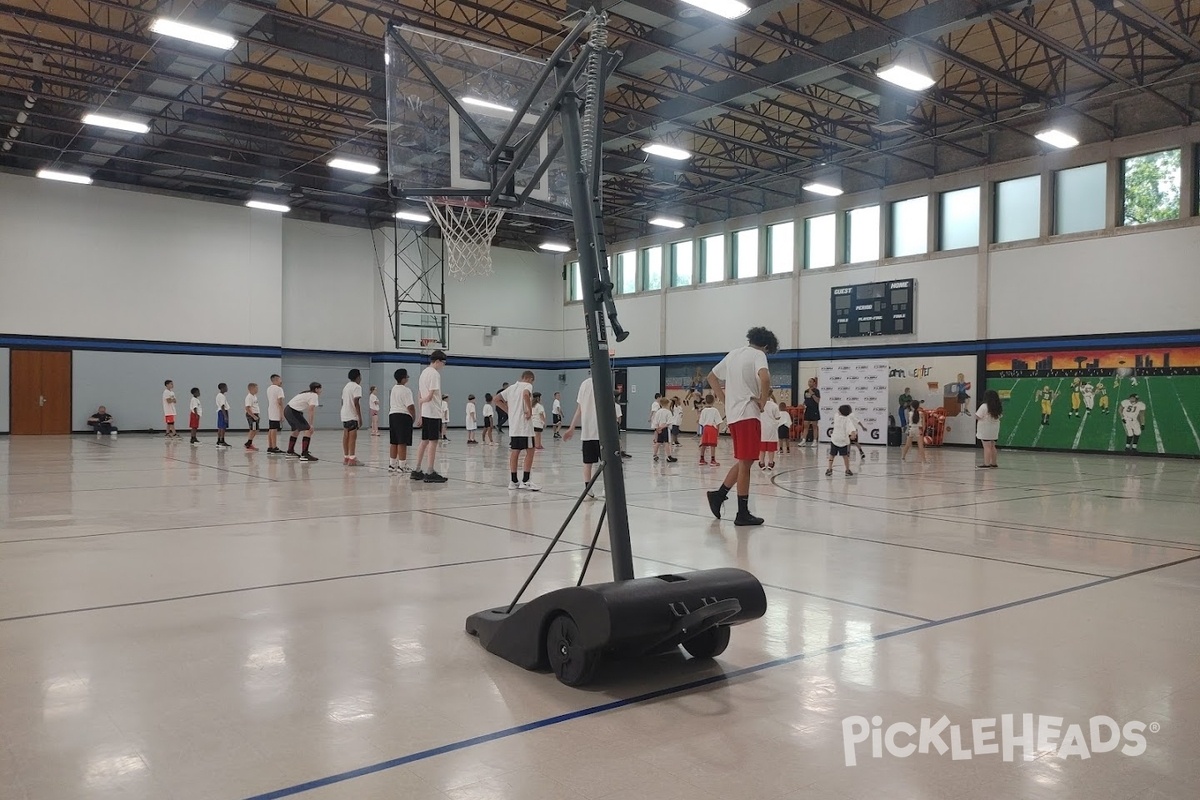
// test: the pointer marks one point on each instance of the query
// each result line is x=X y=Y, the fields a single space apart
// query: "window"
x=681 y=263
x=745 y=254
x=1150 y=192
x=820 y=234
x=652 y=268
x=910 y=227
x=960 y=219
x=626 y=272
x=573 y=277
x=862 y=234
x=781 y=248
x=1079 y=195
x=1019 y=209
x=712 y=258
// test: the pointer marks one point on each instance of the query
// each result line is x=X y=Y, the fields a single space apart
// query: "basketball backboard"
x=422 y=330
x=440 y=149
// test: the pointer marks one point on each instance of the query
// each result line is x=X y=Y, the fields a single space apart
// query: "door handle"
x=41 y=400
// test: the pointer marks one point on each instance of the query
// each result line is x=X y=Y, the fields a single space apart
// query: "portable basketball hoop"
x=468 y=227
x=427 y=343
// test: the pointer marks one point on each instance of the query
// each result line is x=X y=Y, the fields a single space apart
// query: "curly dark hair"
x=762 y=337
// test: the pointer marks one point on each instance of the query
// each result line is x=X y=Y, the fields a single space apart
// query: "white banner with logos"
x=863 y=385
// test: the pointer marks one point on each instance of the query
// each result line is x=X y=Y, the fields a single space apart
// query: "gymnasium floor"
x=184 y=623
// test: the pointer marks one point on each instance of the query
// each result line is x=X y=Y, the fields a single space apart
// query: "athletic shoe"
x=656 y=458
x=530 y=486
x=351 y=462
x=195 y=442
x=274 y=451
x=626 y=455
x=251 y=447
x=983 y=466
x=514 y=485
x=715 y=500
x=306 y=457
x=671 y=459
x=747 y=519
x=417 y=475
x=392 y=469
x=715 y=463
x=762 y=466
x=591 y=495
x=292 y=454
x=226 y=444
x=703 y=462
x=828 y=472
x=433 y=477
x=849 y=474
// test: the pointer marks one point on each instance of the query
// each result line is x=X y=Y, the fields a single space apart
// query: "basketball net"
x=467 y=231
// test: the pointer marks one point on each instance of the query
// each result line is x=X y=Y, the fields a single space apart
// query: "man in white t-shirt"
x=301 y=413
x=429 y=398
x=169 y=403
x=274 y=415
x=747 y=382
x=517 y=402
x=556 y=415
x=351 y=416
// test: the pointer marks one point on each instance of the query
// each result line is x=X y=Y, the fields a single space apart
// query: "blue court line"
x=727 y=677
x=284 y=585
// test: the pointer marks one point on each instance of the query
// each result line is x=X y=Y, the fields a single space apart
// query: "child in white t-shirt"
x=676 y=420
x=662 y=429
x=222 y=403
x=845 y=427
x=252 y=414
x=556 y=415
x=710 y=429
x=768 y=434
x=539 y=421
x=373 y=404
x=471 y=420
x=489 y=420
x=194 y=414
x=445 y=417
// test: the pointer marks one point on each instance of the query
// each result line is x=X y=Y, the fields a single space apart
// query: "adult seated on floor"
x=102 y=422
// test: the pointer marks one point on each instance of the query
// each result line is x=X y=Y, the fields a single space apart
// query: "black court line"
x=285 y=584
x=1031 y=489
x=191 y=463
x=724 y=678
x=1035 y=527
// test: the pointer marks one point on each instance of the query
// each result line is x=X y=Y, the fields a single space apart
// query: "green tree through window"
x=1152 y=187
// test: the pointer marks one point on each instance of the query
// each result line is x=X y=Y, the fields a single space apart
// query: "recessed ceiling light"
x=264 y=206
x=117 y=123
x=906 y=77
x=412 y=216
x=666 y=151
x=667 y=222
x=555 y=247
x=351 y=165
x=65 y=177
x=178 y=30
x=829 y=190
x=475 y=101
x=729 y=9
x=1056 y=138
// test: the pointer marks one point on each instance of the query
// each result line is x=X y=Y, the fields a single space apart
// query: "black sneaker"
x=747 y=519
x=715 y=500
x=433 y=477
x=417 y=475
x=292 y=454
x=309 y=457
x=828 y=472
x=671 y=459
x=274 y=451
x=849 y=474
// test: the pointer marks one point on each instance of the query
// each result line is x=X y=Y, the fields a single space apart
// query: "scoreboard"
x=872 y=309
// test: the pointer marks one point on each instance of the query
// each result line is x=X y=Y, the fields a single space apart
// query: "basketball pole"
x=588 y=233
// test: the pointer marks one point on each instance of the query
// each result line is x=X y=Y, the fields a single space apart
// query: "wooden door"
x=39 y=392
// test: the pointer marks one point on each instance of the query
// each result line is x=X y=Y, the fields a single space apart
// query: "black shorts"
x=591 y=452
x=839 y=450
x=520 y=442
x=538 y=430
x=295 y=419
x=663 y=436
x=784 y=431
x=557 y=419
x=350 y=424
x=274 y=425
x=487 y=422
x=812 y=416
x=431 y=429
x=400 y=429
x=252 y=422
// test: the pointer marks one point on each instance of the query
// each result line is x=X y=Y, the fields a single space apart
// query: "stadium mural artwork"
x=1132 y=401
x=689 y=382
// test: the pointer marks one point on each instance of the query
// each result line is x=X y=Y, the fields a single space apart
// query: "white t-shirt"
x=304 y=401
x=488 y=413
x=842 y=428
x=662 y=418
x=769 y=422
x=252 y=404
x=987 y=428
x=710 y=417
x=470 y=415
x=539 y=416
x=194 y=407
x=429 y=393
x=556 y=408
x=520 y=422
x=350 y=392
x=740 y=371
x=168 y=405
x=374 y=402
x=400 y=400
x=653 y=409
x=619 y=415
x=445 y=412
x=275 y=402
x=589 y=427
x=222 y=402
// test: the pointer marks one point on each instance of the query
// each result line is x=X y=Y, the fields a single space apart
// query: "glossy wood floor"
x=183 y=623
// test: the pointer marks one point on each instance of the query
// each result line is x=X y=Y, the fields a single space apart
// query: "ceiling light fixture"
x=351 y=165
x=179 y=30
x=729 y=9
x=265 y=206
x=666 y=151
x=555 y=247
x=667 y=222
x=1056 y=138
x=908 y=71
x=65 y=177
x=117 y=123
x=827 y=189
x=475 y=101
x=412 y=216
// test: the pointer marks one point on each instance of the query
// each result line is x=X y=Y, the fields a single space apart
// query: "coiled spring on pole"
x=593 y=89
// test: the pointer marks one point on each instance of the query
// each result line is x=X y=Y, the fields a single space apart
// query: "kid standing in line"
x=539 y=421
x=589 y=430
x=445 y=417
x=222 y=414
x=844 y=426
x=300 y=413
x=374 y=406
x=169 y=408
x=556 y=414
x=472 y=425
x=351 y=416
x=517 y=402
x=194 y=414
x=768 y=434
x=662 y=429
x=429 y=389
x=710 y=425
x=401 y=412
x=676 y=420
x=274 y=415
x=252 y=414
x=489 y=418
x=785 y=428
